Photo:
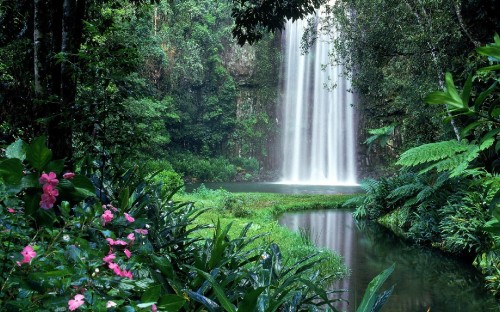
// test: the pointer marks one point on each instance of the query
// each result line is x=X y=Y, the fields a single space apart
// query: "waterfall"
x=318 y=122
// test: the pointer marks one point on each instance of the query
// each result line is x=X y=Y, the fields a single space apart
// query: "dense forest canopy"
x=166 y=79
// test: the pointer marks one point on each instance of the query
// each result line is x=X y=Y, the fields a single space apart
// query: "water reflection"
x=424 y=279
x=269 y=187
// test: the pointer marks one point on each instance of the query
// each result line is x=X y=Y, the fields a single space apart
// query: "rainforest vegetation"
x=109 y=107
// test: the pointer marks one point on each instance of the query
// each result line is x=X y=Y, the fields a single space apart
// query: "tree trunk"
x=68 y=37
x=40 y=37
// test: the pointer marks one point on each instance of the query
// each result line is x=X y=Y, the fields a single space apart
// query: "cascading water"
x=318 y=122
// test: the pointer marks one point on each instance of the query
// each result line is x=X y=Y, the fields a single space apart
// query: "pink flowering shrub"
x=63 y=251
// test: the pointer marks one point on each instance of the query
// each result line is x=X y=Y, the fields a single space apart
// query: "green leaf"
x=56 y=166
x=465 y=131
x=11 y=171
x=489 y=68
x=440 y=97
x=492 y=226
x=65 y=209
x=452 y=91
x=371 y=296
x=483 y=95
x=16 y=150
x=151 y=294
x=124 y=197
x=37 y=153
x=466 y=91
x=170 y=303
x=491 y=51
x=249 y=302
x=219 y=292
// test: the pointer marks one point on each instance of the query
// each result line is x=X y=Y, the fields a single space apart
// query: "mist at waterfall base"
x=318 y=121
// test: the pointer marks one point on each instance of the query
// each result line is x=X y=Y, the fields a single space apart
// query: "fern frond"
x=404 y=191
x=431 y=152
x=369 y=185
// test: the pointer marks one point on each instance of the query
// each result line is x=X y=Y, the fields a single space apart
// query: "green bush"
x=462 y=223
x=169 y=179
x=203 y=169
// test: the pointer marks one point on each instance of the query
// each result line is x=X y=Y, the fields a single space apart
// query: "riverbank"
x=262 y=209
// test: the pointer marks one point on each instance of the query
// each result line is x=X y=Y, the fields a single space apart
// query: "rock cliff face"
x=255 y=70
x=240 y=62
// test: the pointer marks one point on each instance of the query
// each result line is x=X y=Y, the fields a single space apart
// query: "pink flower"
x=113 y=242
x=112 y=265
x=110 y=304
x=76 y=302
x=49 y=189
x=49 y=196
x=142 y=231
x=47 y=201
x=11 y=210
x=107 y=216
x=28 y=254
x=131 y=237
x=153 y=308
x=68 y=175
x=129 y=217
x=127 y=253
x=127 y=274
x=109 y=258
x=48 y=179
x=117 y=270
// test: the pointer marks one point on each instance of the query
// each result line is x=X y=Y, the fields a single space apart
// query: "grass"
x=262 y=210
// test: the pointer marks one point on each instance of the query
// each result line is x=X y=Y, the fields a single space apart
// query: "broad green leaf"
x=371 y=295
x=170 y=303
x=439 y=97
x=151 y=294
x=11 y=171
x=37 y=153
x=16 y=150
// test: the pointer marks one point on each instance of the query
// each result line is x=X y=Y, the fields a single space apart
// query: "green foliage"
x=380 y=135
x=371 y=301
x=199 y=168
x=140 y=249
x=462 y=222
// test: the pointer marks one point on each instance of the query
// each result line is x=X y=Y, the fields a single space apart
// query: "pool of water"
x=424 y=279
x=269 y=187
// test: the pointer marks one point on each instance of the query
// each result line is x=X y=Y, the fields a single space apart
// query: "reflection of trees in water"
x=423 y=277
x=445 y=280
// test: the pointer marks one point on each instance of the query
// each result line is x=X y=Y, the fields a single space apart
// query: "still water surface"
x=269 y=187
x=424 y=279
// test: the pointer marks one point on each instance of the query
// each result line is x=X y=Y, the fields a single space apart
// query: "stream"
x=424 y=279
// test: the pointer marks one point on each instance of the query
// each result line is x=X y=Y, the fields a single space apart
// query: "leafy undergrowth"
x=261 y=210
x=120 y=243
